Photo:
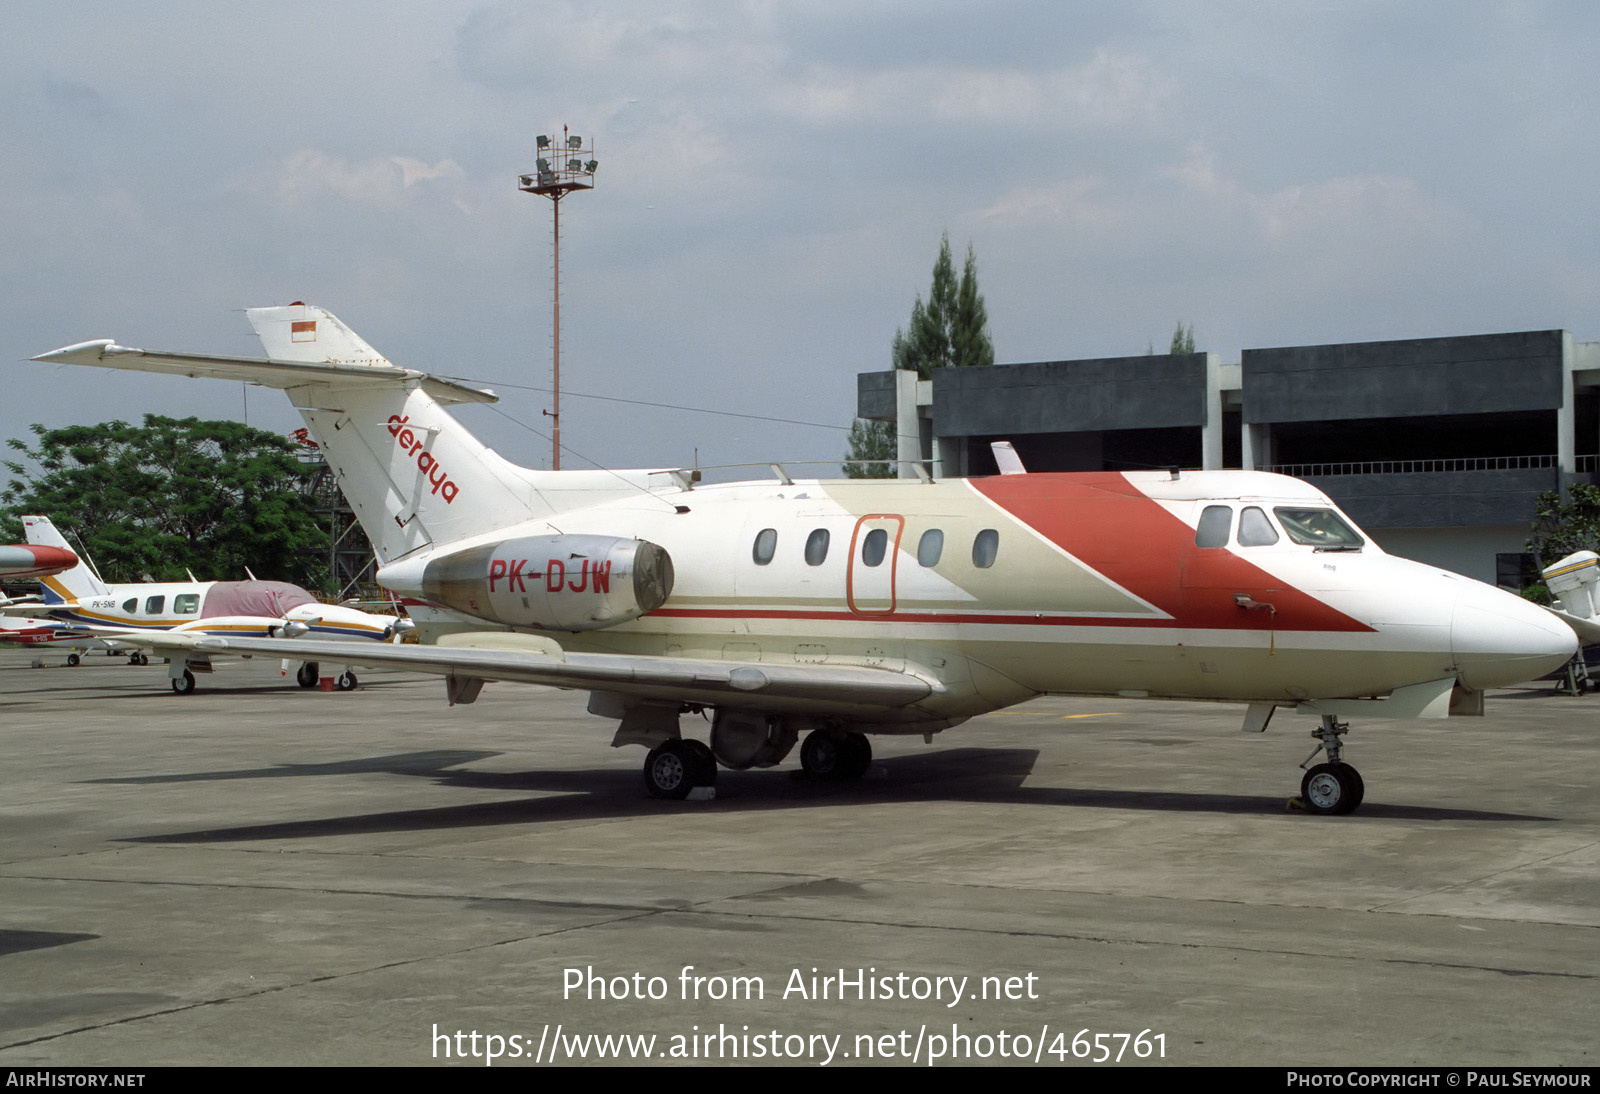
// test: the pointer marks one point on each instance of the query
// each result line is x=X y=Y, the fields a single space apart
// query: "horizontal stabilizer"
x=267 y=372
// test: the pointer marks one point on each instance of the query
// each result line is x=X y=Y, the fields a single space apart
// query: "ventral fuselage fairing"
x=840 y=609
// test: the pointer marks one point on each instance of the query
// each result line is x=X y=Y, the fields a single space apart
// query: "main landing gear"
x=1333 y=788
x=837 y=757
x=183 y=685
x=309 y=675
x=674 y=769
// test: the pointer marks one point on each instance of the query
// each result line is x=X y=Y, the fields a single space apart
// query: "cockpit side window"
x=1255 y=530
x=1320 y=528
x=1214 y=524
x=154 y=604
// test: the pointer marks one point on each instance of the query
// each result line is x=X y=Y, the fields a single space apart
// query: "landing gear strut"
x=678 y=767
x=1332 y=788
x=837 y=757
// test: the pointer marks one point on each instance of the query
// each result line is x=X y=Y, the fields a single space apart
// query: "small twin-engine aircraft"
x=843 y=609
x=22 y=561
x=165 y=617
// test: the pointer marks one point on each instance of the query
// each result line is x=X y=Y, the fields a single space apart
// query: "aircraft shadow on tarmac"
x=978 y=775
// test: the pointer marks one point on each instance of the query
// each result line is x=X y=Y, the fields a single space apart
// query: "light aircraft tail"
x=413 y=474
x=74 y=584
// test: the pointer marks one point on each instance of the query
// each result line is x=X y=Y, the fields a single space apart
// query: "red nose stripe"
x=1103 y=520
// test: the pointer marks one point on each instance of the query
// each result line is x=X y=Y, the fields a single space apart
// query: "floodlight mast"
x=560 y=171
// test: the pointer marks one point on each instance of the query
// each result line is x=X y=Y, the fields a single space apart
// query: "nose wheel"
x=1333 y=788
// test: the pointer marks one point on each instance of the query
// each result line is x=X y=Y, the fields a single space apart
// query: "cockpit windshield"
x=1320 y=528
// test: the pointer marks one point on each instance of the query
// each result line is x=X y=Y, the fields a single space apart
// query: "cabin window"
x=766 y=545
x=817 y=547
x=1320 y=528
x=186 y=603
x=1214 y=525
x=930 y=547
x=874 y=547
x=154 y=604
x=1255 y=530
x=130 y=605
x=984 y=548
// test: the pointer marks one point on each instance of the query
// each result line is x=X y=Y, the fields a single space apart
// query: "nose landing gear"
x=1333 y=788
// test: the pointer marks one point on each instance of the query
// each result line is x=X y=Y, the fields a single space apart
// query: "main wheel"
x=346 y=681
x=839 y=757
x=821 y=754
x=677 y=767
x=307 y=676
x=73 y=659
x=856 y=756
x=183 y=685
x=1332 y=789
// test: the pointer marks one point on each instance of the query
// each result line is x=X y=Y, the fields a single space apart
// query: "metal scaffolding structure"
x=352 y=566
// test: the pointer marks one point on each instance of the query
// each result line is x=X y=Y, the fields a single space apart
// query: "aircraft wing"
x=1587 y=630
x=534 y=660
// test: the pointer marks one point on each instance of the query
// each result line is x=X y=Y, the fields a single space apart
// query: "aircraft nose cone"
x=1499 y=639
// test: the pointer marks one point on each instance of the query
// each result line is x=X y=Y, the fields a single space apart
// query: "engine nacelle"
x=558 y=583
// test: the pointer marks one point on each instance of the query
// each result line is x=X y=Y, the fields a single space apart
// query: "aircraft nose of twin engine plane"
x=1500 y=639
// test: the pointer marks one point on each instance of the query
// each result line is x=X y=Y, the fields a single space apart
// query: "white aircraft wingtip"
x=80 y=352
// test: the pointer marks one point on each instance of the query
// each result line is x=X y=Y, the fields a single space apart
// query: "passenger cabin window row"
x=1322 y=529
x=875 y=547
x=182 y=604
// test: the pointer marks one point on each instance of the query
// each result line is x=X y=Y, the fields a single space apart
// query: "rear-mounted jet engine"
x=557 y=583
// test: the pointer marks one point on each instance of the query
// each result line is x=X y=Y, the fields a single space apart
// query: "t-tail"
x=75 y=584
x=415 y=477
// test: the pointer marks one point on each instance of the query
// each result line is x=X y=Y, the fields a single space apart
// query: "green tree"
x=1182 y=339
x=950 y=330
x=170 y=496
x=1562 y=527
x=874 y=444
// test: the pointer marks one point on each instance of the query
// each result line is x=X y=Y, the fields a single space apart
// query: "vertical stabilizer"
x=74 y=584
x=312 y=335
x=415 y=477
x=413 y=474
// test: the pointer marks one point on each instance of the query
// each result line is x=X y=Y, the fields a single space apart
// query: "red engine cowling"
x=558 y=583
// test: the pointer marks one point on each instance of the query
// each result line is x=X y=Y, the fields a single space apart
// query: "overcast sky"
x=774 y=180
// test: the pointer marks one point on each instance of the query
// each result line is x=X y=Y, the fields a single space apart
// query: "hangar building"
x=1436 y=446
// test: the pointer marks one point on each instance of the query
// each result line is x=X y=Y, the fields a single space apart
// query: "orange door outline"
x=892 y=559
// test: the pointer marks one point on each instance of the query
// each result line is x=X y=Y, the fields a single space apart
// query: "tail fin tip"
x=312 y=335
